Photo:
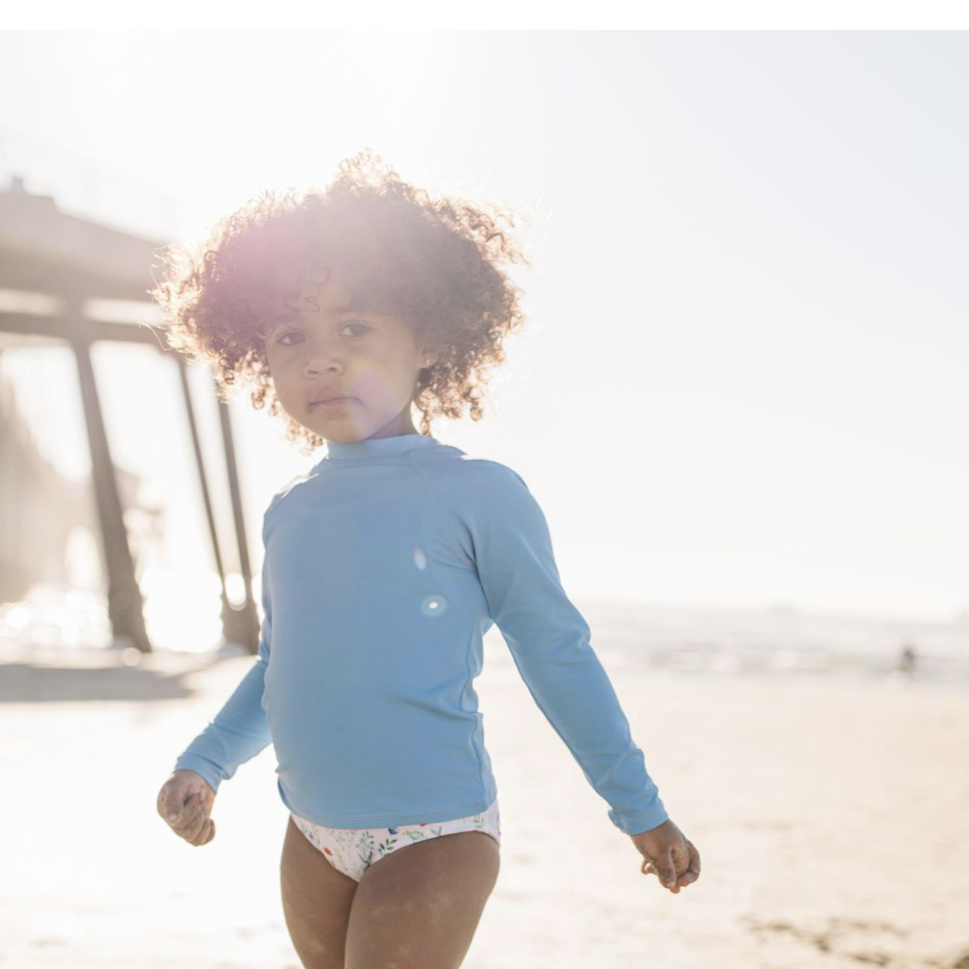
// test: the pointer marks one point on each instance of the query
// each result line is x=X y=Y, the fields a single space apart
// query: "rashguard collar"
x=378 y=447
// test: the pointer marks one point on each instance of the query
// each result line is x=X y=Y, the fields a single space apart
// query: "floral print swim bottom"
x=354 y=850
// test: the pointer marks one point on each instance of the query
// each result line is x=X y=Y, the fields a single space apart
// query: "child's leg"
x=418 y=908
x=316 y=902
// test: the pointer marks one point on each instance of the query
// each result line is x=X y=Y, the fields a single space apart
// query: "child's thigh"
x=419 y=907
x=316 y=902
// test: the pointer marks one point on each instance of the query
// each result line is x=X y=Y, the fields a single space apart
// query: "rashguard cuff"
x=204 y=768
x=641 y=821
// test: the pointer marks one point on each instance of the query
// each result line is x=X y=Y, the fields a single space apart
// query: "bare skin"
x=371 y=359
x=417 y=908
x=316 y=902
x=668 y=855
x=185 y=802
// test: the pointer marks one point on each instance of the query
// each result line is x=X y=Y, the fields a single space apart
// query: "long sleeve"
x=239 y=730
x=549 y=641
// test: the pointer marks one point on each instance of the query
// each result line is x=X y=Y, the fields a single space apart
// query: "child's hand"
x=668 y=855
x=185 y=802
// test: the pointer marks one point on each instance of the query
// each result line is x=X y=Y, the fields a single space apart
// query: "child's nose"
x=320 y=359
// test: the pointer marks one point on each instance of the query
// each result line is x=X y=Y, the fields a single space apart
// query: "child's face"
x=370 y=360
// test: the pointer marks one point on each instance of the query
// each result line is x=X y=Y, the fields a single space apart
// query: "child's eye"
x=362 y=326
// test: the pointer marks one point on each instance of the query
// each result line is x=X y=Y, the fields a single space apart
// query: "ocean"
x=674 y=639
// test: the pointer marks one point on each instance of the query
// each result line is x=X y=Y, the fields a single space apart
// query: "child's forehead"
x=325 y=286
x=330 y=290
x=313 y=307
x=326 y=291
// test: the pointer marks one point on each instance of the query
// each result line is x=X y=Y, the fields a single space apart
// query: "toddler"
x=384 y=566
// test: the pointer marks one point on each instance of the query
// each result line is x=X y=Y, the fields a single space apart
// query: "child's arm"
x=505 y=532
x=549 y=640
x=239 y=730
x=237 y=733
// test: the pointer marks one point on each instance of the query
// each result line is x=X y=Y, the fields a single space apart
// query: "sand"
x=832 y=818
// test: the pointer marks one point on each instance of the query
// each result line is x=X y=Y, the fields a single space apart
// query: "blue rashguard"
x=384 y=566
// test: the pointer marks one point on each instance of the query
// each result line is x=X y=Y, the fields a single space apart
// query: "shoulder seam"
x=438 y=512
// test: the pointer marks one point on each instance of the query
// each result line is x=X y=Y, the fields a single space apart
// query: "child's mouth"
x=333 y=403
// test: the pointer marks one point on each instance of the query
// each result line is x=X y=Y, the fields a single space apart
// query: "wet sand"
x=831 y=817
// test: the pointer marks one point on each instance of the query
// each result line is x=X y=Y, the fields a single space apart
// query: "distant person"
x=383 y=568
x=907 y=660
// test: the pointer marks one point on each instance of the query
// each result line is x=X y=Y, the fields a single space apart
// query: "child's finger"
x=692 y=873
x=197 y=832
x=196 y=808
x=171 y=807
x=193 y=829
x=205 y=832
x=667 y=871
x=187 y=813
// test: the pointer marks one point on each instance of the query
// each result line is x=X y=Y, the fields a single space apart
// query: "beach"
x=830 y=814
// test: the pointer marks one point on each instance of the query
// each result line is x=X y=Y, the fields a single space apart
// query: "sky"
x=742 y=379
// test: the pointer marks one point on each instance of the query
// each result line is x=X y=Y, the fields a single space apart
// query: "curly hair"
x=434 y=263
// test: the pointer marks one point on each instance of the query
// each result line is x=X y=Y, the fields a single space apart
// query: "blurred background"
x=740 y=399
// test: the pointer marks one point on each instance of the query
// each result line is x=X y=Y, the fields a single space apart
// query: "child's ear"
x=429 y=357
